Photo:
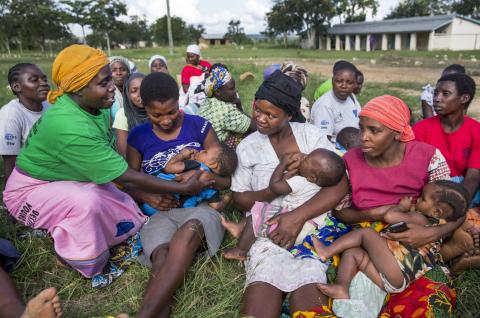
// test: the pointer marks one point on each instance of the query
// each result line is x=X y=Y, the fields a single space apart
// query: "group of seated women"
x=301 y=204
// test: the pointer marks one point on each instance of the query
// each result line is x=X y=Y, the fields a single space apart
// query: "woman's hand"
x=197 y=183
x=416 y=235
x=161 y=202
x=289 y=225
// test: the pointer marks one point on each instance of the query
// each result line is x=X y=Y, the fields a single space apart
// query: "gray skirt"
x=162 y=226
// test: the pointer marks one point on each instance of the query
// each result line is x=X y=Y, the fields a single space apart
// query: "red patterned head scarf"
x=391 y=112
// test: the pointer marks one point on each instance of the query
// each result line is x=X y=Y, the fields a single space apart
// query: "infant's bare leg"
x=247 y=238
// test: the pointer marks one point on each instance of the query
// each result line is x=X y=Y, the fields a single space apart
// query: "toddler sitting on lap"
x=219 y=160
x=392 y=265
x=320 y=168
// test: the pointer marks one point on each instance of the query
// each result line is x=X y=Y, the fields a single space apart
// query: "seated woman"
x=63 y=177
x=378 y=180
x=132 y=114
x=158 y=63
x=271 y=270
x=171 y=238
x=338 y=108
x=222 y=107
x=457 y=136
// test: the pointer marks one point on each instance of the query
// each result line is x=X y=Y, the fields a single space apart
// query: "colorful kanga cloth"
x=430 y=296
x=415 y=262
x=327 y=235
x=121 y=257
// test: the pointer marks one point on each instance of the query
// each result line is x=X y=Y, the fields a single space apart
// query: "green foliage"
x=467 y=7
x=355 y=10
x=181 y=32
x=235 y=33
x=416 y=8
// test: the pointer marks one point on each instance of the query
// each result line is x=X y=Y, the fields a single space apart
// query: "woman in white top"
x=338 y=108
x=270 y=269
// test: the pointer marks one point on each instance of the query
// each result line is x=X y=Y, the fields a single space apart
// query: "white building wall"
x=459 y=35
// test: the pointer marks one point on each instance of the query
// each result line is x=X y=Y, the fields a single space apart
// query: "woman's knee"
x=190 y=232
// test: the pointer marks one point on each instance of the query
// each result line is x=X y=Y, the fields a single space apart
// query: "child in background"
x=347 y=138
x=360 y=80
x=220 y=160
x=30 y=87
x=320 y=168
x=390 y=264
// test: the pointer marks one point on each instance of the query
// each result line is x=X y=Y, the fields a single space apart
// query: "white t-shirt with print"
x=15 y=124
x=331 y=114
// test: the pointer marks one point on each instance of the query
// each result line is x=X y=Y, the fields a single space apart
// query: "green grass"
x=213 y=287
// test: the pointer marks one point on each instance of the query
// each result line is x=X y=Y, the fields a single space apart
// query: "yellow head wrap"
x=74 y=67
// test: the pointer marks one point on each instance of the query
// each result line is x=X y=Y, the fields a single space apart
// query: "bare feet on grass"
x=235 y=229
x=320 y=250
x=45 y=305
x=235 y=254
x=334 y=291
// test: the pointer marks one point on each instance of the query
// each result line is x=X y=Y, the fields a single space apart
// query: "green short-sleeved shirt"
x=224 y=117
x=323 y=88
x=70 y=144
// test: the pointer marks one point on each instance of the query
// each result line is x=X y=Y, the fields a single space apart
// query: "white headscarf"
x=193 y=48
x=157 y=57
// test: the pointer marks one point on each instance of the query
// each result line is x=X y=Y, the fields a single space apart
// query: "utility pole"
x=169 y=26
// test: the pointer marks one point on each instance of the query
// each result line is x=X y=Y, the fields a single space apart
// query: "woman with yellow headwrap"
x=63 y=176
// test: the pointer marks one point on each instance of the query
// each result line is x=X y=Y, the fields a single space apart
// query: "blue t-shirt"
x=157 y=152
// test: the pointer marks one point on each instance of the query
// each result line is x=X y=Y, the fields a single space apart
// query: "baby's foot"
x=235 y=254
x=45 y=304
x=334 y=291
x=235 y=229
x=222 y=204
x=320 y=249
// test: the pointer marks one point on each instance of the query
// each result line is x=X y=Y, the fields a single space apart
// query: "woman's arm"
x=8 y=165
x=472 y=181
x=353 y=216
x=121 y=136
x=418 y=235
x=427 y=110
x=290 y=224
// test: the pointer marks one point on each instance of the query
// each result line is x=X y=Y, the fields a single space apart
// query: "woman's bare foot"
x=234 y=254
x=334 y=291
x=235 y=229
x=45 y=305
x=222 y=204
x=320 y=249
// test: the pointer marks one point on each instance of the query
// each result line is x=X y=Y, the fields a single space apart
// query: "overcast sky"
x=214 y=15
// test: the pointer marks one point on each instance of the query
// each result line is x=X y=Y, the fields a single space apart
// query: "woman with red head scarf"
x=388 y=166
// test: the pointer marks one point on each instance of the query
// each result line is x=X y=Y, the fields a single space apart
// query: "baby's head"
x=444 y=199
x=222 y=160
x=322 y=167
x=349 y=137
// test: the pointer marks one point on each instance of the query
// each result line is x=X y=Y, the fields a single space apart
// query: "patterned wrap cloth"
x=218 y=77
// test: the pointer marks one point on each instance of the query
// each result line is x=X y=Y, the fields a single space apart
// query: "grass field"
x=214 y=286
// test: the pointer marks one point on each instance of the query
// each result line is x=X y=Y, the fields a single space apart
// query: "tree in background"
x=137 y=30
x=6 y=20
x=310 y=16
x=282 y=19
x=78 y=12
x=467 y=7
x=182 y=33
x=355 y=10
x=104 y=17
x=236 y=33
x=418 y=8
